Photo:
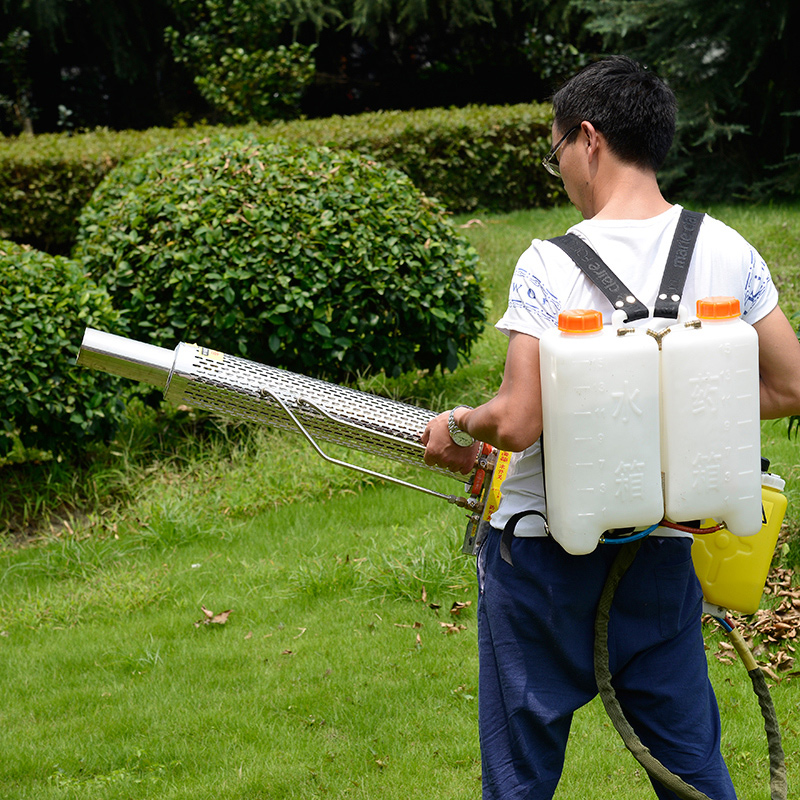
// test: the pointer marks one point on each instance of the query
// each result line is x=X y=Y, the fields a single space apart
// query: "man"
x=613 y=125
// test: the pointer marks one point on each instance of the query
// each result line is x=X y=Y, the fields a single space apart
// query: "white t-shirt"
x=547 y=281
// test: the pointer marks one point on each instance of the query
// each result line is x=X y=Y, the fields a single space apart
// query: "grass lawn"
x=347 y=665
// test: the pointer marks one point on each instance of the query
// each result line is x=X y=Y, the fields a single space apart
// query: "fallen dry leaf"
x=210 y=618
x=458 y=607
x=771 y=633
x=449 y=627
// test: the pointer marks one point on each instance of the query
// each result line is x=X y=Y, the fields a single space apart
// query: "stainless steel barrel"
x=234 y=386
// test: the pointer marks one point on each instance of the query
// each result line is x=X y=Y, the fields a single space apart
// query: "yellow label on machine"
x=214 y=355
x=499 y=475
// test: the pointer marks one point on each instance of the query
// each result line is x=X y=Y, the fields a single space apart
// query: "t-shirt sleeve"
x=533 y=306
x=760 y=293
x=734 y=267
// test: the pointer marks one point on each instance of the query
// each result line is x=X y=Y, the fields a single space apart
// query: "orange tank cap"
x=718 y=308
x=580 y=320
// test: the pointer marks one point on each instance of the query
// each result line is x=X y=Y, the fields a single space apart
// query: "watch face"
x=461 y=438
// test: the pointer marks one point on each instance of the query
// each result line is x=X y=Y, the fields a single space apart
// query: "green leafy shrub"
x=320 y=261
x=48 y=406
x=480 y=157
x=232 y=47
x=260 y=85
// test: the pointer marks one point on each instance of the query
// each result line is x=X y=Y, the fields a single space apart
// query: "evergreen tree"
x=733 y=68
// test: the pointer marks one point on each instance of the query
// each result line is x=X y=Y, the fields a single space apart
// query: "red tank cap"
x=580 y=320
x=718 y=308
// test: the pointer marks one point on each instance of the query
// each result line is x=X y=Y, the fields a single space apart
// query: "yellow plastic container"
x=733 y=570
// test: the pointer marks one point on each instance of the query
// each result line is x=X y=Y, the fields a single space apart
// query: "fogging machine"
x=321 y=411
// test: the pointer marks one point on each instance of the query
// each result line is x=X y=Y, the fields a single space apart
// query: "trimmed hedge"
x=317 y=260
x=480 y=157
x=486 y=157
x=46 y=180
x=48 y=406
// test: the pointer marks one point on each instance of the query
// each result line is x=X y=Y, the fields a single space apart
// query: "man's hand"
x=511 y=420
x=442 y=451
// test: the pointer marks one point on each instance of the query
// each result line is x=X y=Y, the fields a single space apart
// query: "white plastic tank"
x=711 y=443
x=600 y=404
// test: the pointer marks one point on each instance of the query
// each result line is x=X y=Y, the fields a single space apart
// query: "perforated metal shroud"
x=336 y=414
x=234 y=386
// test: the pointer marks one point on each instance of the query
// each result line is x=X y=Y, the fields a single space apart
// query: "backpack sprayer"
x=643 y=427
x=597 y=385
x=604 y=381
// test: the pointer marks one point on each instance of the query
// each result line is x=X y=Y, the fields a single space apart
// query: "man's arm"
x=511 y=420
x=779 y=365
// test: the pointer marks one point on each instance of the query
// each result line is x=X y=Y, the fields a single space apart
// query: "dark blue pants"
x=536 y=638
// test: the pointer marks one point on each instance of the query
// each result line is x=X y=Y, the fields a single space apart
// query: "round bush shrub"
x=49 y=406
x=319 y=261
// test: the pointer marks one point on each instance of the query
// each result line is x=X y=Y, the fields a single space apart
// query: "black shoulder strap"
x=620 y=297
x=600 y=274
x=678 y=260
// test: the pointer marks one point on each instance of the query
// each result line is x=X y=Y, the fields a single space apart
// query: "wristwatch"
x=461 y=438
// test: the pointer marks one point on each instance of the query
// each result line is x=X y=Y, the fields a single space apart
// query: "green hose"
x=654 y=768
x=778 y=785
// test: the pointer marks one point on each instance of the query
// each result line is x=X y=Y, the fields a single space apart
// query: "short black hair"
x=633 y=109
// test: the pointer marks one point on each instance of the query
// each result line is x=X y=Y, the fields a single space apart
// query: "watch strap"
x=456 y=434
